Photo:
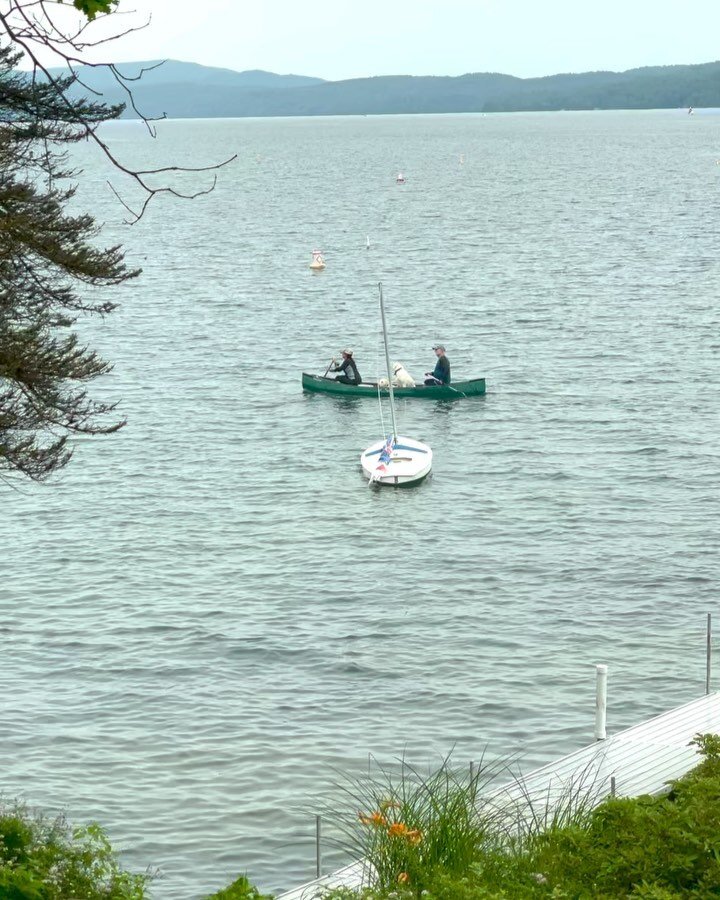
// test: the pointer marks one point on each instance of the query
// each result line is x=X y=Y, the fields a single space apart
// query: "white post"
x=600 y=702
x=318 y=862
x=708 y=653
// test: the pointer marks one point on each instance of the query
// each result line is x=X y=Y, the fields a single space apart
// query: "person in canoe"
x=349 y=369
x=441 y=372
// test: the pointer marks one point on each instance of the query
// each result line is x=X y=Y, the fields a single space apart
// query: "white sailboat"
x=396 y=460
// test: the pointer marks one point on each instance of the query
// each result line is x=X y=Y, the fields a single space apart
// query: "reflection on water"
x=344 y=404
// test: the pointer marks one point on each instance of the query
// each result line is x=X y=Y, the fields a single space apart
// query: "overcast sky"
x=355 y=38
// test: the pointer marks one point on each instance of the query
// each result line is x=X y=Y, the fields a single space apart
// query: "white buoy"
x=367 y=242
x=318 y=263
x=400 y=178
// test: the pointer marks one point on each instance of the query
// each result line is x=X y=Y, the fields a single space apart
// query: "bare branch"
x=30 y=24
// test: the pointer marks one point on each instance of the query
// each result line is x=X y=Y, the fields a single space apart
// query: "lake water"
x=210 y=612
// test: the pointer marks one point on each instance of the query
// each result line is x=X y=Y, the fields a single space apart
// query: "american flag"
x=387 y=450
x=385 y=457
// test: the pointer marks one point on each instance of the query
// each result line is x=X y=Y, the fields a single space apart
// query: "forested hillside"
x=187 y=90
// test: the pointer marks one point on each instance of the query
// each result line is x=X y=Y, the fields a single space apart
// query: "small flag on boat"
x=386 y=452
x=385 y=458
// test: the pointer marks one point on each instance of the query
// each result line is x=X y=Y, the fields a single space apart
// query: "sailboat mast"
x=387 y=363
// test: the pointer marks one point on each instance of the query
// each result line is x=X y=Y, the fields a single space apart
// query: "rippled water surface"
x=210 y=610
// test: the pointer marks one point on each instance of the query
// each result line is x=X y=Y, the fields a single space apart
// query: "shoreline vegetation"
x=437 y=837
x=188 y=90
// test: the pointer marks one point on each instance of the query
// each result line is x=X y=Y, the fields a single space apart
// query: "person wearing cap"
x=441 y=372
x=349 y=369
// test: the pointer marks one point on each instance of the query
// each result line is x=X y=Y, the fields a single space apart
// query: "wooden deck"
x=641 y=760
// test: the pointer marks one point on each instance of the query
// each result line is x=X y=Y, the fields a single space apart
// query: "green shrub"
x=240 y=889
x=48 y=859
x=644 y=846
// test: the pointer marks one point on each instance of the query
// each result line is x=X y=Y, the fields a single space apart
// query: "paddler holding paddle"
x=441 y=372
x=348 y=367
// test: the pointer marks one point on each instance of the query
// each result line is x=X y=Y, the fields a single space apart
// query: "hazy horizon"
x=418 y=38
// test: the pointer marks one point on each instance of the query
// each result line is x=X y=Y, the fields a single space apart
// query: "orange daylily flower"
x=376 y=819
x=397 y=829
x=414 y=836
x=403 y=878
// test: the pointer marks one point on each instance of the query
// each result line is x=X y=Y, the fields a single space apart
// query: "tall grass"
x=459 y=841
x=526 y=814
x=415 y=830
x=409 y=826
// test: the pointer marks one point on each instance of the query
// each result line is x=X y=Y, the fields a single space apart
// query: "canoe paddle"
x=449 y=387
x=328 y=368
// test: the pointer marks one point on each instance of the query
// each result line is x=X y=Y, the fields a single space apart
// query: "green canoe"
x=475 y=387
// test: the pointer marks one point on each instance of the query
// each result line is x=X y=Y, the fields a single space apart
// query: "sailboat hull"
x=409 y=462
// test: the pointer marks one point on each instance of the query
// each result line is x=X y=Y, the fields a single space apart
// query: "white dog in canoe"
x=401 y=377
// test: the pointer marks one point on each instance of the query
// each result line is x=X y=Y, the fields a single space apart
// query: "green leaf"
x=92 y=7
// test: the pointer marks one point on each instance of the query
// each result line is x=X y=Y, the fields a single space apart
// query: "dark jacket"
x=442 y=370
x=350 y=370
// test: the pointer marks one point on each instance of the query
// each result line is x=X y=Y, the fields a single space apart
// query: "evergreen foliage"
x=49 y=265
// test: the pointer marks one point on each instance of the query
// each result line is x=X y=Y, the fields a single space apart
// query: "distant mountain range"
x=189 y=90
